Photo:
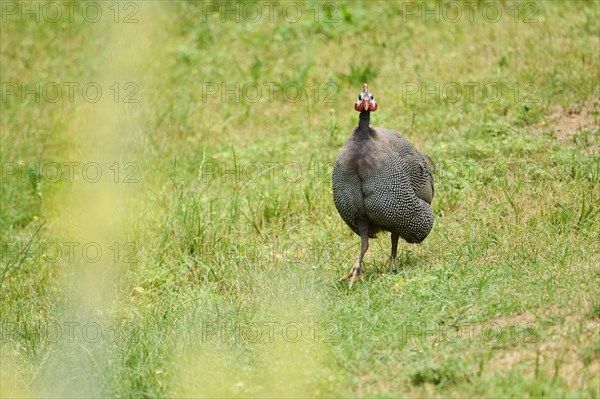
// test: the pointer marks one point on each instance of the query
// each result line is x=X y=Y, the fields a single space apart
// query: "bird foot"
x=355 y=273
x=392 y=265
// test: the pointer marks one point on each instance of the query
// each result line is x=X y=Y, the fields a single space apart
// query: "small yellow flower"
x=398 y=283
x=35 y=218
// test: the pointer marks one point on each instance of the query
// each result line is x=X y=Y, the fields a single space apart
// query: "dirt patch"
x=538 y=344
x=578 y=116
x=558 y=353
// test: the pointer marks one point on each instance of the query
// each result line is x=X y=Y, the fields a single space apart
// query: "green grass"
x=221 y=246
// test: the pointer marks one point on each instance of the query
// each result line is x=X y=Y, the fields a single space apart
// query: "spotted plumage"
x=382 y=183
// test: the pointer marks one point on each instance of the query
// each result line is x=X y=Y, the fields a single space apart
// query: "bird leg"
x=395 y=237
x=363 y=229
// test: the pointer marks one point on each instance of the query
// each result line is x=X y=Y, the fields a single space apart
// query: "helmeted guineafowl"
x=382 y=183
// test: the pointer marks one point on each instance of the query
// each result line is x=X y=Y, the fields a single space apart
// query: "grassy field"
x=167 y=221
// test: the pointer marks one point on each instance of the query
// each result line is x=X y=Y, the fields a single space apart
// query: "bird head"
x=366 y=101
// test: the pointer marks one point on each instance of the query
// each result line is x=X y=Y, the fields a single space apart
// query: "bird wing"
x=419 y=166
x=347 y=195
x=428 y=169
